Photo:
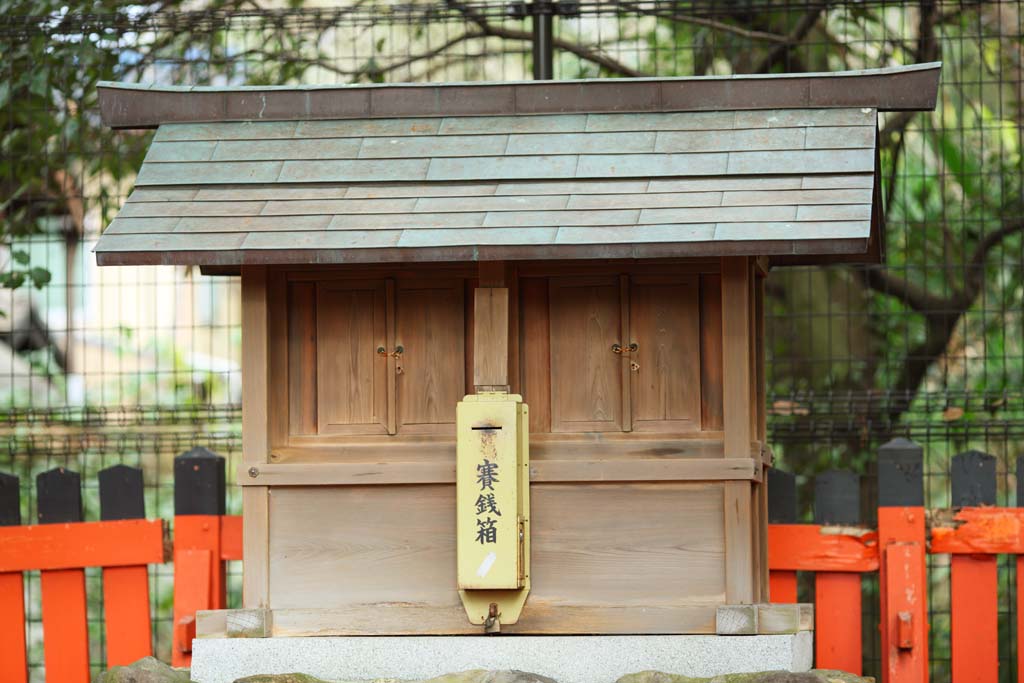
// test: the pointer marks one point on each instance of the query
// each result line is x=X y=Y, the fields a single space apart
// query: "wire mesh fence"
x=134 y=365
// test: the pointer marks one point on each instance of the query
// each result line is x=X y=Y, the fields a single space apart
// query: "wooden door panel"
x=430 y=375
x=352 y=375
x=302 y=380
x=586 y=376
x=664 y=321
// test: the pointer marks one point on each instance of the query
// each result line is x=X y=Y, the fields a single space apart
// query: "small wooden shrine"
x=503 y=357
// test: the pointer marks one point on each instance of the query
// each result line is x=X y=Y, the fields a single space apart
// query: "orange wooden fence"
x=836 y=548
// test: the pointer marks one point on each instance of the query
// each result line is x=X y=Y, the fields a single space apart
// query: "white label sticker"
x=486 y=565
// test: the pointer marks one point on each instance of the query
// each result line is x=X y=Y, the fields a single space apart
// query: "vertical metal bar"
x=542 y=12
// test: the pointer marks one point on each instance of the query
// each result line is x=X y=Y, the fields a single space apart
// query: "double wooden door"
x=624 y=353
x=389 y=355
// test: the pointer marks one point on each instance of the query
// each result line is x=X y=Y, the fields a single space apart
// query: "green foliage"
x=54 y=151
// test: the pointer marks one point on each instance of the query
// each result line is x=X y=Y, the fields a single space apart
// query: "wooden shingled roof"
x=579 y=182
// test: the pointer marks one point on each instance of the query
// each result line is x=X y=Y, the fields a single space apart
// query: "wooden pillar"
x=491 y=329
x=256 y=428
x=738 y=419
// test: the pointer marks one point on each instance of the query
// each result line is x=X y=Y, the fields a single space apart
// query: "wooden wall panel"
x=336 y=546
x=302 y=385
x=430 y=327
x=593 y=546
x=586 y=376
x=351 y=327
x=535 y=352
x=598 y=545
x=711 y=352
x=664 y=320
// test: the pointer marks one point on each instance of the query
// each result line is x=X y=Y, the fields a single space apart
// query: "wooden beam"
x=819 y=548
x=118 y=543
x=548 y=471
x=493 y=273
x=255 y=434
x=490 y=339
x=738 y=424
x=739 y=561
x=543 y=617
x=978 y=531
x=736 y=343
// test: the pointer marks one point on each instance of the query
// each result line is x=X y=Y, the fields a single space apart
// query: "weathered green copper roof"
x=767 y=179
x=418 y=185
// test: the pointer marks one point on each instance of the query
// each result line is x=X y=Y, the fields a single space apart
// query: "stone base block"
x=567 y=659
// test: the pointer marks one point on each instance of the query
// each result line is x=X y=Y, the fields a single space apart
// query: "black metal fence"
x=134 y=365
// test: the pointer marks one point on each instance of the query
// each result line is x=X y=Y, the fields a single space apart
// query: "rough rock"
x=280 y=678
x=816 y=676
x=146 y=670
x=484 y=676
x=472 y=676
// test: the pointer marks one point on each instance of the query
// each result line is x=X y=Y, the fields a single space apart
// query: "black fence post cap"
x=974 y=479
x=900 y=474
x=837 y=497
x=121 y=493
x=1020 y=481
x=10 y=500
x=781 y=497
x=59 y=496
x=199 y=487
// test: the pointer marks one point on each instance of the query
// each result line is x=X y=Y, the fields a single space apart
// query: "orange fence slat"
x=192 y=586
x=1020 y=622
x=13 y=662
x=73 y=545
x=812 y=547
x=199 y=581
x=974 y=618
x=782 y=586
x=980 y=530
x=903 y=585
x=231 y=537
x=126 y=614
x=65 y=630
x=837 y=621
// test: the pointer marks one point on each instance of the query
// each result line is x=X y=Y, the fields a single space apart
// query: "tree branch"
x=752 y=34
x=589 y=54
x=799 y=32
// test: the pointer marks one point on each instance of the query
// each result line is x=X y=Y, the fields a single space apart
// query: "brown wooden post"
x=490 y=329
x=738 y=423
x=255 y=427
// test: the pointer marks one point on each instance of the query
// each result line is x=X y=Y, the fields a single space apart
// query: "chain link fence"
x=135 y=365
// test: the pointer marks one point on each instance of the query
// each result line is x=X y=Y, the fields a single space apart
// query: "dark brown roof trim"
x=906 y=88
x=219 y=259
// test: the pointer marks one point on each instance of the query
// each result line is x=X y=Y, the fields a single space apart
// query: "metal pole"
x=543 y=53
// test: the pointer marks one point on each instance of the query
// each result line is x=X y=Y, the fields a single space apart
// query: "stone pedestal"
x=567 y=659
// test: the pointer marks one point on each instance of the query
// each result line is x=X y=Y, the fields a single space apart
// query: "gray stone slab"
x=567 y=659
